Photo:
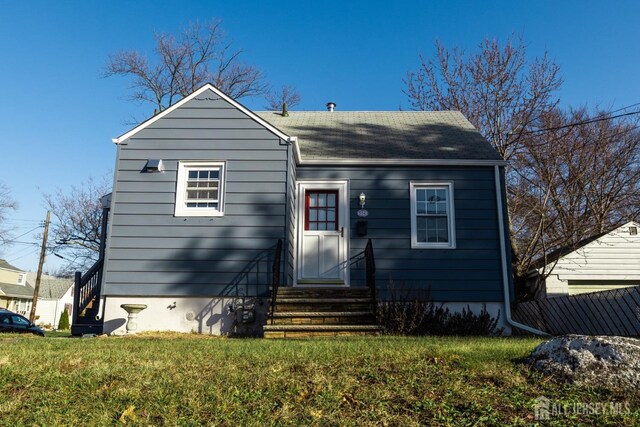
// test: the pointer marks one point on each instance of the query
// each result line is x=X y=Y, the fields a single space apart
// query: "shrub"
x=63 y=324
x=414 y=313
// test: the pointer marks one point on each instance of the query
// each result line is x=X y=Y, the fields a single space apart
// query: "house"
x=207 y=192
x=15 y=293
x=603 y=262
x=54 y=295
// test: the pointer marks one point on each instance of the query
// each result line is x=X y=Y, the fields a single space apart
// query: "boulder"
x=610 y=362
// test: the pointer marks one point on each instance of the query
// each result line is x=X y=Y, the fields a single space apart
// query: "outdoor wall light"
x=363 y=198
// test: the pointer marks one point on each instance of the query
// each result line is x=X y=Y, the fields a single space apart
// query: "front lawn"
x=173 y=379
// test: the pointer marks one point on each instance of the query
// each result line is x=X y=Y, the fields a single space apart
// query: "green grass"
x=172 y=379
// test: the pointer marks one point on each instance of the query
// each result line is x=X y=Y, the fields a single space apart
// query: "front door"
x=323 y=233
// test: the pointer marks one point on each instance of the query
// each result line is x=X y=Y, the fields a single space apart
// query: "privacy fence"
x=615 y=312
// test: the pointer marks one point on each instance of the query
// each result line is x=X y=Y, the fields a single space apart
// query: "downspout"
x=503 y=257
x=285 y=247
x=55 y=315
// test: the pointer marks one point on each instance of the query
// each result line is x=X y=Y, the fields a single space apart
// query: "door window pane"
x=321 y=210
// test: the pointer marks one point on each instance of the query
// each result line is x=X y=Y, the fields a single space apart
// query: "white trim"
x=343 y=190
x=451 y=218
x=122 y=138
x=181 y=184
x=503 y=260
x=404 y=162
x=296 y=149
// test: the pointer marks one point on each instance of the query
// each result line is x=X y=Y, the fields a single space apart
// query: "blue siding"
x=153 y=253
x=471 y=272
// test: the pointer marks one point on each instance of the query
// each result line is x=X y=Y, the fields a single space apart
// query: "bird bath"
x=132 y=319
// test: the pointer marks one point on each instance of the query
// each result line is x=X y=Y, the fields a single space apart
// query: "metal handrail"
x=370 y=271
x=275 y=276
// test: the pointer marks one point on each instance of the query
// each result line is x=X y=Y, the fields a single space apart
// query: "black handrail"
x=87 y=287
x=275 y=276
x=370 y=271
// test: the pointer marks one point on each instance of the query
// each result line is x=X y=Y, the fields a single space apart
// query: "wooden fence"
x=615 y=312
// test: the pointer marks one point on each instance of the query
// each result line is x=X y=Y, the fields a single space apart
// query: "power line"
x=15 y=242
x=15 y=239
x=21 y=251
x=32 y=221
x=584 y=122
x=26 y=255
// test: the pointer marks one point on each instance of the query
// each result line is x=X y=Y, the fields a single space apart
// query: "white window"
x=200 y=189
x=432 y=215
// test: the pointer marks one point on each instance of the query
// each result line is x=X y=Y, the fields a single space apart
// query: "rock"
x=610 y=362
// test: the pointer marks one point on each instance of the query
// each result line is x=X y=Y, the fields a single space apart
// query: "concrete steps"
x=321 y=312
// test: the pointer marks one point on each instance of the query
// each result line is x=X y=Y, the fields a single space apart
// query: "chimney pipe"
x=331 y=106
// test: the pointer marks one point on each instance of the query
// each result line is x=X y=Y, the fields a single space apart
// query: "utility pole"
x=36 y=289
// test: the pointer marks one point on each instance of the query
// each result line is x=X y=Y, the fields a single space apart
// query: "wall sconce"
x=362 y=198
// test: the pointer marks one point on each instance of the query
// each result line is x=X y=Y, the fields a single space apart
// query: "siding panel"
x=153 y=253
x=471 y=272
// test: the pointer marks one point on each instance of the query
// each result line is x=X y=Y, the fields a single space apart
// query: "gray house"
x=221 y=217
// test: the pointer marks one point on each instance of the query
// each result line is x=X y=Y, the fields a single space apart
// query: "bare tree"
x=200 y=54
x=75 y=229
x=496 y=88
x=286 y=95
x=575 y=180
x=569 y=177
x=7 y=203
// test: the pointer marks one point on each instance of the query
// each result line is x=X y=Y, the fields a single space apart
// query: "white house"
x=53 y=296
x=608 y=261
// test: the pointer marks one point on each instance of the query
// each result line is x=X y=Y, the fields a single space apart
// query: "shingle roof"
x=383 y=135
x=5 y=264
x=16 y=291
x=50 y=287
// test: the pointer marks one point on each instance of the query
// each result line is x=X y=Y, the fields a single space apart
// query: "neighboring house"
x=54 y=295
x=15 y=293
x=603 y=262
x=204 y=190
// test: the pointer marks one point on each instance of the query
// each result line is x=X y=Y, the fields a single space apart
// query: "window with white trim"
x=432 y=215
x=200 y=189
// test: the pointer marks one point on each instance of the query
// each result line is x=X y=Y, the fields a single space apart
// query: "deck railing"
x=87 y=289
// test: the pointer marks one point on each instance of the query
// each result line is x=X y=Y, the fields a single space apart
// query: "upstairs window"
x=432 y=215
x=200 y=189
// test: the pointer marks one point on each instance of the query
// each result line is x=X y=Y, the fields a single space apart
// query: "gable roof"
x=384 y=135
x=559 y=253
x=372 y=137
x=122 y=138
x=5 y=264
x=51 y=287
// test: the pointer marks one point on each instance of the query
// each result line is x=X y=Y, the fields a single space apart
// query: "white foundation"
x=180 y=314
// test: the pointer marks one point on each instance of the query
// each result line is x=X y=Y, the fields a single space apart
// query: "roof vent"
x=331 y=106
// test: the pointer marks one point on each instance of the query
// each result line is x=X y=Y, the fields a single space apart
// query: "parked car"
x=14 y=322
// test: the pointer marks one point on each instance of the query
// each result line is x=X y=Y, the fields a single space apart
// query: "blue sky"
x=58 y=115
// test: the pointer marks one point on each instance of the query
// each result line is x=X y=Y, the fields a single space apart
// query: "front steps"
x=321 y=312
